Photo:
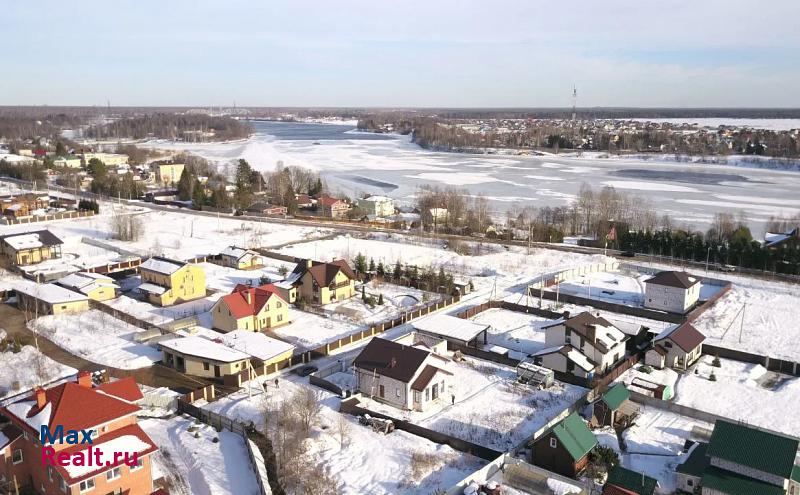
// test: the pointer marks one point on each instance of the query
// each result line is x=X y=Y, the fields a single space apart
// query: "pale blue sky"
x=445 y=53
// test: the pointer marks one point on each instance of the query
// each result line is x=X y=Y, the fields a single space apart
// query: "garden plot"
x=743 y=392
x=396 y=300
x=224 y=279
x=517 y=331
x=309 y=330
x=158 y=315
x=614 y=287
x=28 y=368
x=366 y=462
x=767 y=329
x=97 y=337
x=491 y=408
x=655 y=443
x=194 y=464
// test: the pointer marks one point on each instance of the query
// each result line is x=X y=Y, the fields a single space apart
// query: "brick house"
x=108 y=410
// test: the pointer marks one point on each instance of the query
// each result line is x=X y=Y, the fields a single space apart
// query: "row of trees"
x=283 y=183
x=427 y=278
x=465 y=213
x=179 y=127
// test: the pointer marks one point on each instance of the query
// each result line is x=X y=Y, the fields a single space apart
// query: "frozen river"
x=358 y=163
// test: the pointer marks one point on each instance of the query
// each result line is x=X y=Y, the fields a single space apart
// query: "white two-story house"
x=593 y=336
x=675 y=292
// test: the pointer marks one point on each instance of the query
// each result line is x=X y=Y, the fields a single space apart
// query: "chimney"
x=85 y=379
x=41 y=399
x=248 y=296
x=393 y=363
x=566 y=315
x=309 y=263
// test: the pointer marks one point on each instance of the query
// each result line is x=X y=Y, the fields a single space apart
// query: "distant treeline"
x=181 y=127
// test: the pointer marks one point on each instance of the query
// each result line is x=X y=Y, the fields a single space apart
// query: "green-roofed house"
x=742 y=460
x=613 y=407
x=565 y=448
x=625 y=481
x=794 y=483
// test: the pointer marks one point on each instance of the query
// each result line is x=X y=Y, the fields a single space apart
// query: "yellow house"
x=167 y=282
x=28 y=248
x=95 y=286
x=261 y=348
x=110 y=160
x=250 y=308
x=168 y=173
x=241 y=258
x=320 y=283
x=67 y=161
x=48 y=299
x=202 y=357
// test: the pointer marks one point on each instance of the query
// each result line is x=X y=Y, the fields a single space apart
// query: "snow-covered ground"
x=97 y=337
x=518 y=331
x=29 y=367
x=309 y=330
x=396 y=300
x=158 y=315
x=770 y=310
x=194 y=463
x=615 y=287
x=654 y=444
x=490 y=408
x=664 y=377
x=224 y=279
x=367 y=462
x=743 y=392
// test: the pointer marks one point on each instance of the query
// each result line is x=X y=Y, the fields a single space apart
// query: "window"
x=553 y=443
x=691 y=483
x=427 y=394
x=87 y=485
x=25 y=435
x=16 y=456
x=139 y=464
x=62 y=484
x=397 y=391
x=113 y=474
x=280 y=317
x=668 y=344
x=50 y=473
x=206 y=366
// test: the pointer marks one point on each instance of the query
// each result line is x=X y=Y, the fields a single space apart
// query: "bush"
x=716 y=362
x=713 y=377
x=645 y=369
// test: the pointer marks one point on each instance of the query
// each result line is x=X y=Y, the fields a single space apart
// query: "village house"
x=409 y=377
x=264 y=350
x=167 y=174
x=565 y=359
x=240 y=258
x=565 y=448
x=108 y=410
x=318 y=282
x=67 y=161
x=29 y=248
x=456 y=330
x=741 y=460
x=166 y=282
x=305 y=201
x=264 y=208
x=674 y=292
x=111 y=160
x=593 y=336
x=23 y=205
x=48 y=299
x=332 y=207
x=95 y=286
x=250 y=308
x=614 y=407
x=378 y=206
x=677 y=347
x=623 y=481
x=199 y=356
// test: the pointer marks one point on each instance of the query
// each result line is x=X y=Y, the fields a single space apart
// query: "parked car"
x=306 y=370
x=627 y=254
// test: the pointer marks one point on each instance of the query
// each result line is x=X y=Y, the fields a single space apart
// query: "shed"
x=565 y=448
x=622 y=481
x=613 y=407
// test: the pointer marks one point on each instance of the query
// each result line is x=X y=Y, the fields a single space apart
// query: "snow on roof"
x=22 y=408
x=289 y=281
x=235 y=252
x=152 y=288
x=376 y=198
x=25 y=241
x=570 y=352
x=162 y=265
x=49 y=293
x=255 y=344
x=86 y=282
x=450 y=327
x=204 y=348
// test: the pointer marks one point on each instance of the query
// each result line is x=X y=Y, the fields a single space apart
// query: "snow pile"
x=559 y=487
x=27 y=369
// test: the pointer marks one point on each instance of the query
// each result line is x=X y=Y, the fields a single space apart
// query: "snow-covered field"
x=367 y=462
x=770 y=312
x=158 y=315
x=194 y=463
x=743 y=392
x=28 y=368
x=224 y=279
x=308 y=330
x=97 y=337
x=654 y=444
x=518 y=331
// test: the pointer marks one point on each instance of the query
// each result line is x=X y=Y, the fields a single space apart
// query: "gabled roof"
x=570 y=353
x=162 y=265
x=684 y=336
x=426 y=376
x=736 y=484
x=8 y=434
x=239 y=304
x=616 y=396
x=575 y=436
x=86 y=282
x=697 y=462
x=595 y=329
x=203 y=348
x=255 y=344
x=126 y=389
x=324 y=273
x=390 y=359
x=329 y=201
x=450 y=327
x=752 y=447
x=681 y=280
x=49 y=293
x=73 y=406
x=635 y=482
x=30 y=240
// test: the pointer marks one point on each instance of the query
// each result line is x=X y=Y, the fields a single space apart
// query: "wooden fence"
x=46 y=218
x=127 y=318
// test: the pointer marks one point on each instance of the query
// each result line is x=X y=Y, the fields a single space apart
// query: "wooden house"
x=565 y=448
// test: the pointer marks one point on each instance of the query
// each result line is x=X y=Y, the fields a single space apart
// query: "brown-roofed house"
x=28 y=248
x=332 y=207
x=592 y=335
x=675 y=292
x=318 y=282
x=678 y=346
x=407 y=377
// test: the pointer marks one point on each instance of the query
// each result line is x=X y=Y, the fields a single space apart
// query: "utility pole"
x=741 y=324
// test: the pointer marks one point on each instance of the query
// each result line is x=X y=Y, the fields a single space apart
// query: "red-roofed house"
x=332 y=207
x=250 y=308
x=107 y=413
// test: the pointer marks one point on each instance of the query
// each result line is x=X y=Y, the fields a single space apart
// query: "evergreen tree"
x=361 y=263
x=371 y=265
x=185 y=184
x=244 y=187
x=380 y=299
x=381 y=269
x=198 y=195
x=96 y=168
x=363 y=295
x=398 y=271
